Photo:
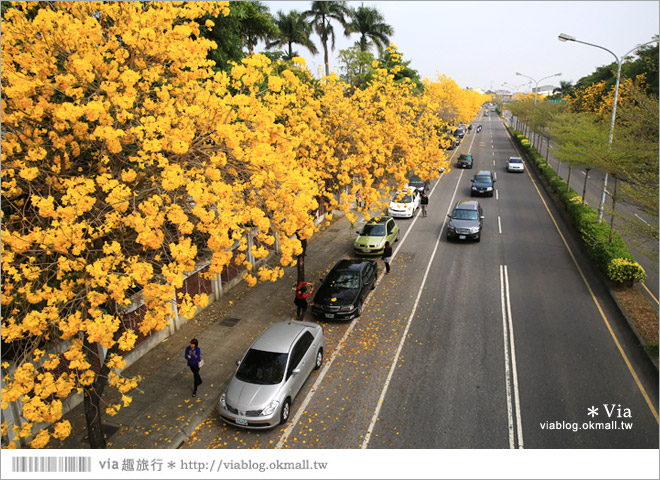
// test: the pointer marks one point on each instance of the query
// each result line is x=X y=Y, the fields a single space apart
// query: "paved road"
x=593 y=197
x=474 y=345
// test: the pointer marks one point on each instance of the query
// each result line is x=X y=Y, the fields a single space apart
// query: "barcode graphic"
x=51 y=464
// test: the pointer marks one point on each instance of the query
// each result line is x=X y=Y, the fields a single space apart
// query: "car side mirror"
x=449 y=215
x=238 y=362
x=482 y=217
x=296 y=371
x=472 y=180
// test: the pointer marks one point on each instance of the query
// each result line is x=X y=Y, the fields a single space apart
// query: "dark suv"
x=466 y=221
x=483 y=183
x=464 y=161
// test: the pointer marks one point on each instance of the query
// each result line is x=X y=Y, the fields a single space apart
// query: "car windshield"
x=373 y=230
x=515 y=160
x=482 y=179
x=344 y=279
x=415 y=179
x=398 y=198
x=262 y=368
x=461 y=214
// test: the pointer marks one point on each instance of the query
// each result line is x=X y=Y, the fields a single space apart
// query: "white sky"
x=482 y=44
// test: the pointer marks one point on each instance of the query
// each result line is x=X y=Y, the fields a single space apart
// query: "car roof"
x=484 y=172
x=382 y=220
x=467 y=205
x=279 y=337
x=352 y=264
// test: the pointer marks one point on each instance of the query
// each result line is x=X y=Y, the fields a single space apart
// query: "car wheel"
x=285 y=412
x=478 y=239
x=359 y=308
x=397 y=237
x=319 y=359
x=373 y=285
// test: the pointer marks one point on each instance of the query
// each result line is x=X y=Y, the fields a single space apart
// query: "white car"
x=404 y=203
x=515 y=164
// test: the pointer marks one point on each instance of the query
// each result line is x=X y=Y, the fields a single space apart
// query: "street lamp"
x=563 y=37
x=537 y=82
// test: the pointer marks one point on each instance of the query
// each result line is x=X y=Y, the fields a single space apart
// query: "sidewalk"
x=163 y=413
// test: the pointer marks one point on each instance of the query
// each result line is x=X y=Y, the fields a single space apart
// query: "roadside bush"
x=624 y=271
x=612 y=257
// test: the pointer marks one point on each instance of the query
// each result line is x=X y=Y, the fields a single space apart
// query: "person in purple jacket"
x=194 y=356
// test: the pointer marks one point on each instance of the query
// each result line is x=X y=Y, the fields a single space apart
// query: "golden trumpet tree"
x=125 y=160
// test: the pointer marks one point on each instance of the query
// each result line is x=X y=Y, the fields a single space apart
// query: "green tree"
x=321 y=13
x=392 y=61
x=238 y=33
x=356 y=66
x=636 y=141
x=371 y=26
x=293 y=30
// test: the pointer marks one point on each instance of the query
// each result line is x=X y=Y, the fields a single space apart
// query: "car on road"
x=271 y=373
x=451 y=142
x=483 y=183
x=459 y=132
x=465 y=221
x=515 y=164
x=371 y=239
x=344 y=289
x=416 y=182
x=464 y=161
x=404 y=203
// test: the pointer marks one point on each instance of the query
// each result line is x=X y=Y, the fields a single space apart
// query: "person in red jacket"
x=303 y=292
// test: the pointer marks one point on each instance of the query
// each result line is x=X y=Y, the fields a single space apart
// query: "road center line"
x=510 y=364
x=619 y=347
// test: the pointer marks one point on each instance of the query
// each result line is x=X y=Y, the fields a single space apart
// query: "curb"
x=608 y=287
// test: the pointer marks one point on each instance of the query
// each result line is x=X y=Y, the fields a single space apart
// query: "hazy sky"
x=483 y=44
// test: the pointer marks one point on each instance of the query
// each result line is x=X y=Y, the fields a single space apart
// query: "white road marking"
x=497 y=194
x=499 y=224
x=308 y=398
x=642 y=219
x=510 y=365
x=374 y=419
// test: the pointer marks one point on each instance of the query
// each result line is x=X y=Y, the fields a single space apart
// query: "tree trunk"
x=547 y=152
x=568 y=181
x=93 y=393
x=584 y=188
x=92 y=406
x=301 y=262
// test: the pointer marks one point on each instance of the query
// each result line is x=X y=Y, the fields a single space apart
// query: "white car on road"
x=404 y=203
x=515 y=164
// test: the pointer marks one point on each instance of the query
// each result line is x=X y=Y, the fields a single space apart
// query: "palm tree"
x=565 y=88
x=371 y=26
x=293 y=29
x=320 y=14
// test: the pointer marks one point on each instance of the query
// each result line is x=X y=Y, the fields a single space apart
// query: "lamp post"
x=536 y=91
x=537 y=82
x=563 y=37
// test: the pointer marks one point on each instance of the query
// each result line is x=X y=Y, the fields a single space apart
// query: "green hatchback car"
x=371 y=239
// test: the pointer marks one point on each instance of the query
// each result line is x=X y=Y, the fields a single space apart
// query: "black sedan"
x=344 y=289
x=464 y=161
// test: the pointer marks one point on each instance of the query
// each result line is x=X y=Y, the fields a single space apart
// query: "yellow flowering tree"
x=125 y=160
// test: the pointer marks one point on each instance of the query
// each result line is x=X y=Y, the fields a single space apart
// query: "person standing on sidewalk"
x=424 y=202
x=300 y=301
x=194 y=357
x=387 y=256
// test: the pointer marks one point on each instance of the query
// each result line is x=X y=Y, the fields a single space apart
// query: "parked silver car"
x=271 y=374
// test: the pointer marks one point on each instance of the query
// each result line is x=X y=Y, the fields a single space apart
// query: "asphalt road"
x=593 y=197
x=506 y=343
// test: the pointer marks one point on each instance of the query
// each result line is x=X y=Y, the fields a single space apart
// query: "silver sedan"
x=271 y=374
